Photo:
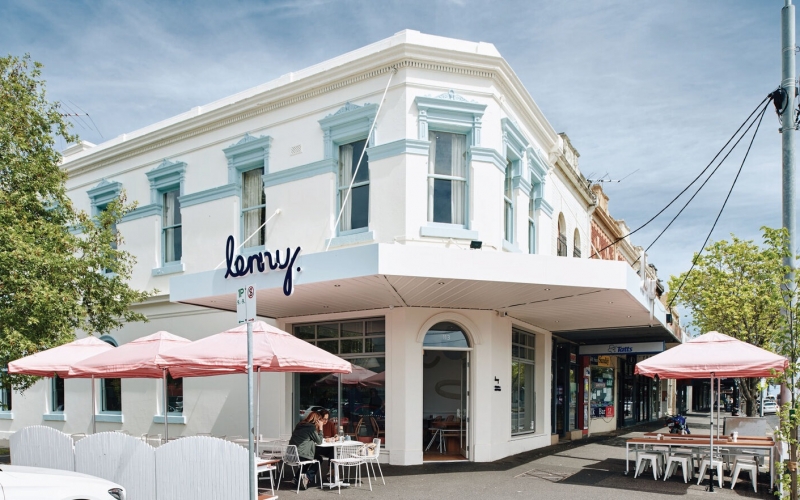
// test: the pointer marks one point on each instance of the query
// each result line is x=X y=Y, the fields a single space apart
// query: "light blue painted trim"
x=354 y=231
x=488 y=155
x=350 y=123
x=215 y=193
x=103 y=193
x=327 y=166
x=247 y=251
x=521 y=183
x=510 y=247
x=396 y=148
x=450 y=112
x=171 y=418
x=454 y=231
x=142 y=212
x=352 y=239
x=169 y=268
x=513 y=138
x=114 y=418
x=6 y=415
x=55 y=417
x=249 y=153
x=537 y=165
x=167 y=176
x=75 y=230
x=541 y=204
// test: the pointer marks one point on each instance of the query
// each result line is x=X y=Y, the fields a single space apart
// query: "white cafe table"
x=336 y=445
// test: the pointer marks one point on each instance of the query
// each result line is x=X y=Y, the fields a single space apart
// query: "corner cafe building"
x=455 y=276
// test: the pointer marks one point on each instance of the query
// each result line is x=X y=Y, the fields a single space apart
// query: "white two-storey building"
x=424 y=221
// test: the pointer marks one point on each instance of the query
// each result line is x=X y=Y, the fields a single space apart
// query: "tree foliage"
x=737 y=288
x=60 y=268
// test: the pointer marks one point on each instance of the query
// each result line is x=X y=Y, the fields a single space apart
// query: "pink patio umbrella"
x=136 y=359
x=58 y=360
x=273 y=351
x=713 y=355
x=377 y=380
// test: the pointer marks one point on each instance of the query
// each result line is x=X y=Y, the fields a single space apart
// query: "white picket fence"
x=119 y=458
x=42 y=446
x=191 y=468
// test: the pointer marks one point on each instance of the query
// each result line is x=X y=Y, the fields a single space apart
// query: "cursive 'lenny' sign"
x=261 y=262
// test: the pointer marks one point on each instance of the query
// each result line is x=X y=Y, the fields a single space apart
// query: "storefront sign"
x=626 y=348
x=603 y=360
x=261 y=262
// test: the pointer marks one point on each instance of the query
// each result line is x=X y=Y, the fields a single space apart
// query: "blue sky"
x=651 y=87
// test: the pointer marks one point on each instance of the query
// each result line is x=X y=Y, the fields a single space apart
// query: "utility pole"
x=789 y=92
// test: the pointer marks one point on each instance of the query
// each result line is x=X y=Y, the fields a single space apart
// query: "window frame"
x=532 y=226
x=167 y=177
x=246 y=155
x=528 y=362
x=55 y=382
x=341 y=189
x=101 y=411
x=508 y=202
x=576 y=244
x=245 y=246
x=431 y=177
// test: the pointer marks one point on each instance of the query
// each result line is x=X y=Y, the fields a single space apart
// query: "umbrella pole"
x=711 y=434
x=94 y=409
x=166 y=421
x=258 y=405
x=719 y=390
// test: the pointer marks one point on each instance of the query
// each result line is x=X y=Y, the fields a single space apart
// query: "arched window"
x=561 y=245
x=445 y=334
x=576 y=244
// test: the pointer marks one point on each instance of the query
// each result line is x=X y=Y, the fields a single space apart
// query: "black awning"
x=645 y=333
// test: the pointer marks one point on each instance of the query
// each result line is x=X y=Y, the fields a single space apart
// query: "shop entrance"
x=445 y=394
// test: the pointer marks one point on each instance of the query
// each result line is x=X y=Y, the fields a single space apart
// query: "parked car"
x=770 y=407
x=304 y=413
x=37 y=483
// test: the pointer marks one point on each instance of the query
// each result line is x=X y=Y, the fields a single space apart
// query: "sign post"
x=246 y=313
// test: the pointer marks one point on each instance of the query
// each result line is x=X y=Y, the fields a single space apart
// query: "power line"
x=707 y=179
x=690 y=184
x=694 y=260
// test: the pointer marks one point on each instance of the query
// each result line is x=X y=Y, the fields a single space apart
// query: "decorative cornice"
x=513 y=138
x=546 y=208
x=103 y=193
x=537 y=165
x=249 y=152
x=521 y=183
x=328 y=166
x=396 y=148
x=488 y=155
x=215 y=193
x=141 y=212
x=168 y=175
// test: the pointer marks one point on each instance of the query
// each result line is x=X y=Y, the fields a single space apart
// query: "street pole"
x=787 y=144
x=251 y=476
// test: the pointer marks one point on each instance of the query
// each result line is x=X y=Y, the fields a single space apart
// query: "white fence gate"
x=40 y=446
x=201 y=468
x=120 y=458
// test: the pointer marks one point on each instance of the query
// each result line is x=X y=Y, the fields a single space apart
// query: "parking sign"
x=246 y=304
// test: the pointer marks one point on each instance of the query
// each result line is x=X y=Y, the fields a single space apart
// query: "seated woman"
x=306 y=436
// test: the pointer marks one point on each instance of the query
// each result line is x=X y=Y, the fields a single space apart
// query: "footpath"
x=592 y=468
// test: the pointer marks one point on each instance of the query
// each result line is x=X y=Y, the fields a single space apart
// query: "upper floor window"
x=174 y=394
x=166 y=187
x=447 y=178
x=254 y=208
x=561 y=244
x=576 y=244
x=171 y=236
x=355 y=209
x=532 y=226
x=508 y=204
x=248 y=161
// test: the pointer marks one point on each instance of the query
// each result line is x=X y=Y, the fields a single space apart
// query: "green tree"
x=60 y=269
x=736 y=288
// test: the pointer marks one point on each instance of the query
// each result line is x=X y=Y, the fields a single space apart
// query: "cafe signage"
x=261 y=262
x=623 y=348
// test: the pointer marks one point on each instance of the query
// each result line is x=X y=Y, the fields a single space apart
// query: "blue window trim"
x=108 y=416
x=55 y=417
x=537 y=168
x=6 y=415
x=172 y=418
x=249 y=153
x=358 y=236
x=102 y=194
x=164 y=178
x=208 y=195
x=531 y=226
x=510 y=247
x=350 y=123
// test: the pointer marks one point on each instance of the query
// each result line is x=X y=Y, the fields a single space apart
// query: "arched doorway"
x=445 y=395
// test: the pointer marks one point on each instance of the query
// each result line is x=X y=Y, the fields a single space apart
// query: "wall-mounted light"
x=475 y=244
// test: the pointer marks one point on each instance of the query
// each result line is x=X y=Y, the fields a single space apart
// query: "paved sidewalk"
x=592 y=468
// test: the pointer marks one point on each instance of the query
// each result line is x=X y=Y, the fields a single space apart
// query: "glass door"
x=464 y=432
